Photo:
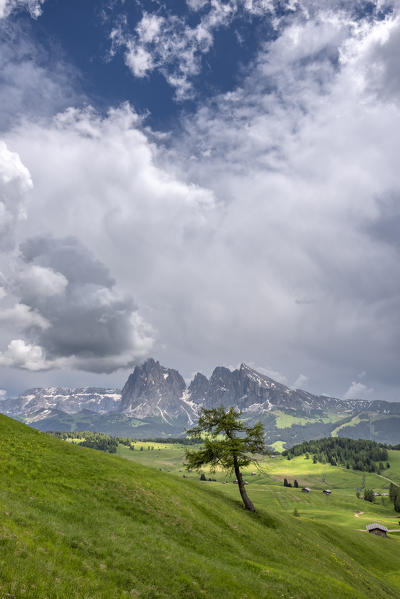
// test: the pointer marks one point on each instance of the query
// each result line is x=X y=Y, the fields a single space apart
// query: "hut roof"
x=376 y=526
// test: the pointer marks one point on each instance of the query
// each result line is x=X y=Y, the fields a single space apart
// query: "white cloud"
x=139 y=60
x=300 y=382
x=277 y=191
x=172 y=46
x=24 y=355
x=38 y=281
x=271 y=373
x=15 y=181
x=197 y=4
x=34 y=7
x=3 y=394
x=71 y=312
x=357 y=390
x=300 y=155
x=22 y=317
x=136 y=206
x=35 y=81
x=57 y=294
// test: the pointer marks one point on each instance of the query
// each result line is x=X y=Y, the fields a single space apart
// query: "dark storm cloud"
x=69 y=257
x=86 y=319
x=385 y=227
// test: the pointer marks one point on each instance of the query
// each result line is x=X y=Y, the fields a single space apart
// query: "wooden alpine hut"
x=377 y=529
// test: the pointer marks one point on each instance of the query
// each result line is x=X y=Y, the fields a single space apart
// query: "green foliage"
x=369 y=495
x=397 y=504
x=393 y=491
x=171 y=440
x=228 y=444
x=99 y=441
x=394 y=495
x=357 y=454
x=227 y=441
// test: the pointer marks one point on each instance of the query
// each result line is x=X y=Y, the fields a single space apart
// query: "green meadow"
x=286 y=420
x=265 y=485
x=79 y=523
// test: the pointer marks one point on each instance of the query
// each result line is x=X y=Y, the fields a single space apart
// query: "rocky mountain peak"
x=153 y=390
x=198 y=388
x=159 y=396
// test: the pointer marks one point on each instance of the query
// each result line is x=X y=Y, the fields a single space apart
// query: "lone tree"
x=228 y=443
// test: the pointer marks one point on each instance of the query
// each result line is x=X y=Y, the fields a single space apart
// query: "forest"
x=367 y=456
x=99 y=441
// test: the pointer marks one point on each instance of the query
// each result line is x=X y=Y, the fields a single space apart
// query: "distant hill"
x=155 y=401
x=79 y=523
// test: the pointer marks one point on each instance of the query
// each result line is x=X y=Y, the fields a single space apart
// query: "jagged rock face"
x=244 y=389
x=251 y=391
x=69 y=401
x=198 y=388
x=152 y=390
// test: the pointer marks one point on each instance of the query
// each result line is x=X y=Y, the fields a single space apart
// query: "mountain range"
x=156 y=402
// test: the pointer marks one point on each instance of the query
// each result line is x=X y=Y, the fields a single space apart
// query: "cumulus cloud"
x=35 y=81
x=34 y=281
x=302 y=155
x=20 y=354
x=137 y=216
x=72 y=311
x=169 y=43
x=34 y=7
x=357 y=390
x=23 y=317
x=175 y=45
x=15 y=181
x=259 y=231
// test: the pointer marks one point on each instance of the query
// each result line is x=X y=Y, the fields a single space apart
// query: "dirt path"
x=389 y=479
x=358 y=514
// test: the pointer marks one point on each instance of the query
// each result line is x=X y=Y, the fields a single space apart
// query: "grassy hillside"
x=79 y=523
x=266 y=488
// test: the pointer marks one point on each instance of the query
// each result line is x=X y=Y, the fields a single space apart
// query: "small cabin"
x=327 y=492
x=377 y=529
x=306 y=490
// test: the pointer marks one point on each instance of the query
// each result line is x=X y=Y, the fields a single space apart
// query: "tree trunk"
x=247 y=503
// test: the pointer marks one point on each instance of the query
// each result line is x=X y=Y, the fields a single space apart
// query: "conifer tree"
x=228 y=444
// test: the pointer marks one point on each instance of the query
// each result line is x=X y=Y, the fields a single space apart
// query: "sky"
x=204 y=182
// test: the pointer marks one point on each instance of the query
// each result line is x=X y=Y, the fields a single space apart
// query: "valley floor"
x=265 y=485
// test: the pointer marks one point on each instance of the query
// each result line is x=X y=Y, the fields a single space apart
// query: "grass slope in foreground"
x=78 y=523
